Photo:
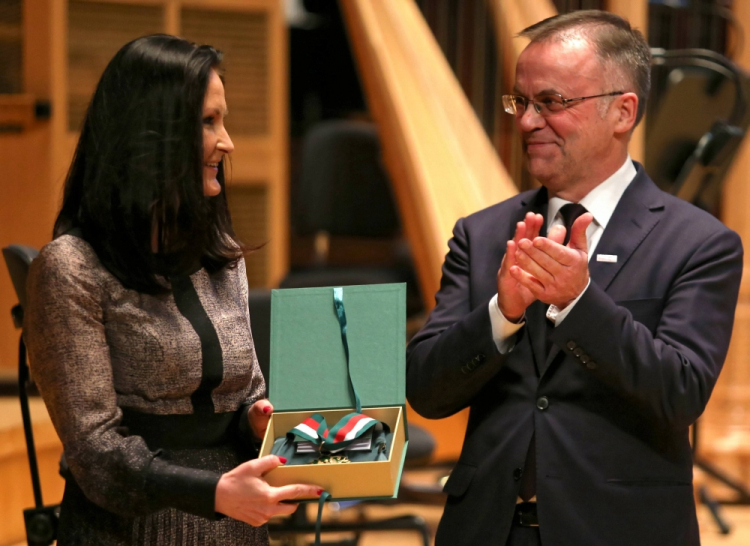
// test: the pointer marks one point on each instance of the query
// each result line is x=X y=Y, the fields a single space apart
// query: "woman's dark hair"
x=137 y=175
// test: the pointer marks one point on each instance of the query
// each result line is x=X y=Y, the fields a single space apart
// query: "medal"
x=331 y=459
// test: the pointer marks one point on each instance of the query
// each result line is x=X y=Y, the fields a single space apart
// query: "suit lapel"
x=536 y=329
x=631 y=222
x=629 y=225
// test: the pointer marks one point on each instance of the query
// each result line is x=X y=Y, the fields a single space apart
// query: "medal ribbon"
x=338 y=305
x=313 y=429
x=350 y=427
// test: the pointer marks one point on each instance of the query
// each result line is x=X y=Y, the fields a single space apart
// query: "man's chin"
x=541 y=169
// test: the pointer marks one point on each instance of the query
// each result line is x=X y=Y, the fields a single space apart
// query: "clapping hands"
x=541 y=268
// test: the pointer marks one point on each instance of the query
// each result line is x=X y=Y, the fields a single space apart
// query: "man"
x=583 y=362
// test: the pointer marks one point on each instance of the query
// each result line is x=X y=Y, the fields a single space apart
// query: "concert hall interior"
x=363 y=130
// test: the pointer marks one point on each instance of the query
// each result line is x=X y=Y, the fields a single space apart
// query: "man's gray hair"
x=622 y=50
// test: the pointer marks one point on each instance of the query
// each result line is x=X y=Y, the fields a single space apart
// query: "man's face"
x=566 y=149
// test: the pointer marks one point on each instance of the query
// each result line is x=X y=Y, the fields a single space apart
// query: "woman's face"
x=216 y=141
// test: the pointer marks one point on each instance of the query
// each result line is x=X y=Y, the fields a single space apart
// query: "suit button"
x=591 y=365
x=542 y=403
x=577 y=352
x=517 y=474
x=585 y=359
x=465 y=369
x=480 y=358
x=571 y=345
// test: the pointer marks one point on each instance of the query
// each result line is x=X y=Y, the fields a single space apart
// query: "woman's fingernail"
x=282 y=460
x=267 y=409
x=319 y=492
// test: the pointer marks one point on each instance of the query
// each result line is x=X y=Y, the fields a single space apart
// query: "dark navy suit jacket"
x=633 y=365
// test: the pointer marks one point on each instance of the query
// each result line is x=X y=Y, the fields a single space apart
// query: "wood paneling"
x=96 y=31
x=11 y=46
x=29 y=200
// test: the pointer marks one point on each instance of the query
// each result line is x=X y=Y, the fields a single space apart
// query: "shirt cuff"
x=503 y=330
x=557 y=315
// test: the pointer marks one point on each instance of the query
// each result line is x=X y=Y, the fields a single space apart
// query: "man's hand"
x=552 y=273
x=513 y=297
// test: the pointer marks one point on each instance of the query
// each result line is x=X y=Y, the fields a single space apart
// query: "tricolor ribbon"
x=349 y=428
x=312 y=429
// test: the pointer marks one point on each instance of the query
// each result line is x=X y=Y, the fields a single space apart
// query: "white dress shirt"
x=601 y=203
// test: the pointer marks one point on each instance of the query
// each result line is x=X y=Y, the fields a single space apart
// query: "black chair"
x=344 y=193
x=696 y=123
x=41 y=521
x=421 y=445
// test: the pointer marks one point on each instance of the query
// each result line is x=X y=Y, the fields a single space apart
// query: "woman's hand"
x=258 y=416
x=243 y=494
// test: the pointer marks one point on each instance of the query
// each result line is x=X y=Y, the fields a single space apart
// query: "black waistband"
x=181 y=431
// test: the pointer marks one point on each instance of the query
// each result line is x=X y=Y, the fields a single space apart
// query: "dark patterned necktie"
x=570 y=213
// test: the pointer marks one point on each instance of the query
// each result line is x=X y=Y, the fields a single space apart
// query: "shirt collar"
x=602 y=200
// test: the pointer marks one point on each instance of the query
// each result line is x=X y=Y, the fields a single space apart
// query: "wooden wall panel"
x=29 y=200
x=96 y=31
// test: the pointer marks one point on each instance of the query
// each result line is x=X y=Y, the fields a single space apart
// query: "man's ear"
x=626 y=107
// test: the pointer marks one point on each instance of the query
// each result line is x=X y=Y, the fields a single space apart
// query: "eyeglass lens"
x=517 y=104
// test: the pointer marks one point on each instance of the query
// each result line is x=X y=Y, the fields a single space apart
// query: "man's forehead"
x=556 y=66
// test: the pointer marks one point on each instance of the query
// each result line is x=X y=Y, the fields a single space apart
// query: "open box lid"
x=308 y=365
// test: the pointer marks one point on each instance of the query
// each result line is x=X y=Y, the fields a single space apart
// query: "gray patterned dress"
x=149 y=395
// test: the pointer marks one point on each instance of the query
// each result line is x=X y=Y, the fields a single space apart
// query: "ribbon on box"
x=349 y=428
x=338 y=305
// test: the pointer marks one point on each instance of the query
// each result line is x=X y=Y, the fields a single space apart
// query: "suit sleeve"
x=669 y=371
x=451 y=359
x=69 y=355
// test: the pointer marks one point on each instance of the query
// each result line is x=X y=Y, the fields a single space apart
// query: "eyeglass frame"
x=539 y=107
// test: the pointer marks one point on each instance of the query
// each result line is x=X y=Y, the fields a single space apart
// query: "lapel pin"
x=609 y=258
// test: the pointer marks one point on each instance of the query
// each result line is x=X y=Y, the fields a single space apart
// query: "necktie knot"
x=570 y=213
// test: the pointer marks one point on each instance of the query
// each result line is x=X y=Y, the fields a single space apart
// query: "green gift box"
x=309 y=374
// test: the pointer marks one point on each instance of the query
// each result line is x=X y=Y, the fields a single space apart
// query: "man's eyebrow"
x=548 y=91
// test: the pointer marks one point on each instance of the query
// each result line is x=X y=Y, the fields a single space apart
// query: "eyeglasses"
x=544 y=104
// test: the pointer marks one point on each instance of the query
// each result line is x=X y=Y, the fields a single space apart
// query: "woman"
x=137 y=321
